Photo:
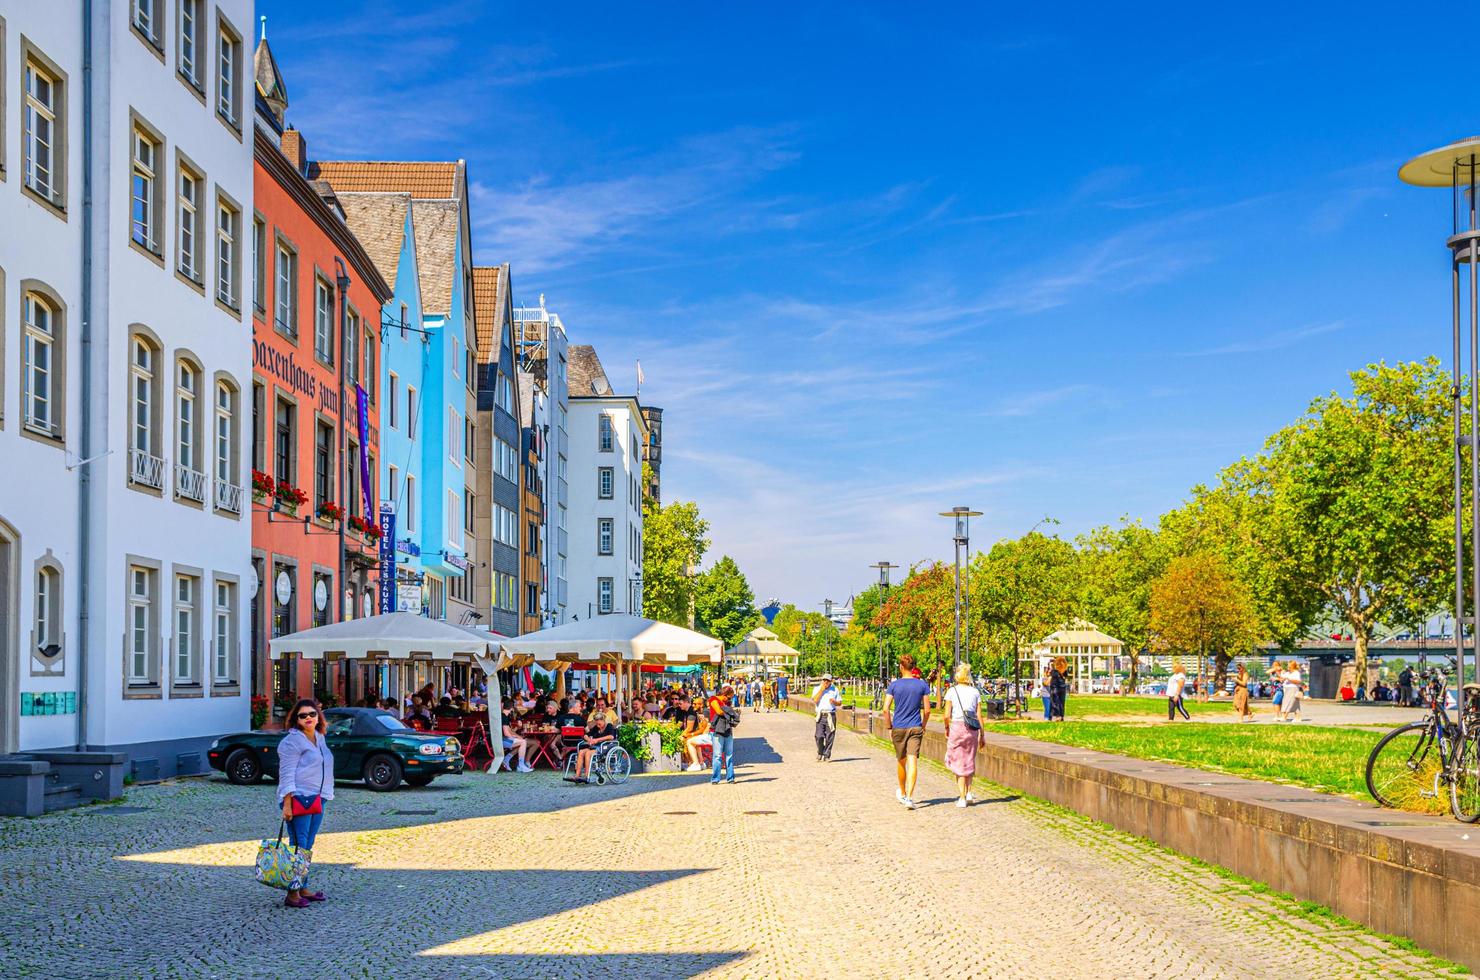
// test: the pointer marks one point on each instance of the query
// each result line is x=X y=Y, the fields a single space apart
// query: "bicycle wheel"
x=1404 y=769
x=618 y=765
x=1464 y=781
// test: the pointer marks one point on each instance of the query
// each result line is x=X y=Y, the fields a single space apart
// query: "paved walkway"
x=798 y=870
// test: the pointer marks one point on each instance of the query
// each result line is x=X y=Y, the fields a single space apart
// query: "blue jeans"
x=723 y=750
x=303 y=830
x=1047 y=709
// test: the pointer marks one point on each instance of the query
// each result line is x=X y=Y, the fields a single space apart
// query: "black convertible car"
x=367 y=743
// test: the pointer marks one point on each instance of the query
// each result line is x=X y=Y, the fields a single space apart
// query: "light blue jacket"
x=304 y=766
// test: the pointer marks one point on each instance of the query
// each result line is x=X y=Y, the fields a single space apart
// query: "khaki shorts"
x=907 y=741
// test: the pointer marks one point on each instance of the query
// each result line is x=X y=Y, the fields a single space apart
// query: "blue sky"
x=878 y=261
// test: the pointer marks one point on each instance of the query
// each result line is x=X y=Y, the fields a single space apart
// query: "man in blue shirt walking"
x=907 y=711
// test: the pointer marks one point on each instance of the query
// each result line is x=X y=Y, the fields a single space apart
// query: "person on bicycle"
x=598 y=730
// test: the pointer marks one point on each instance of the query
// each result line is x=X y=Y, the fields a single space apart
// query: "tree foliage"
x=724 y=605
x=674 y=540
x=1198 y=606
x=1118 y=566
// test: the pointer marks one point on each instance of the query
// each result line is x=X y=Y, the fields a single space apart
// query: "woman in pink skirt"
x=963 y=732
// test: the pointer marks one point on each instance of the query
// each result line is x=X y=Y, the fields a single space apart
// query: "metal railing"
x=145 y=470
x=228 y=497
x=190 y=484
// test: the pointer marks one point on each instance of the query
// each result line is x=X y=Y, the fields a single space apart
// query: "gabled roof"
x=379 y=222
x=585 y=375
x=1078 y=633
x=423 y=180
x=490 y=285
x=436 y=229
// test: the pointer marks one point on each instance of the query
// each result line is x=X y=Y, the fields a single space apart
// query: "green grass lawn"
x=1329 y=760
x=1110 y=706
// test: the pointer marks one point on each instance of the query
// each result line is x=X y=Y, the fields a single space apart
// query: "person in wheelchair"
x=598 y=733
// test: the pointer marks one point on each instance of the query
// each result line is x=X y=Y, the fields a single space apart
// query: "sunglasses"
x=307 y=714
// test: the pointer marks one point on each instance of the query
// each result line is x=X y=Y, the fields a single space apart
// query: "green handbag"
x=281 y=865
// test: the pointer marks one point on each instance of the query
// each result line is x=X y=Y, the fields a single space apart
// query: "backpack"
x=725 y=721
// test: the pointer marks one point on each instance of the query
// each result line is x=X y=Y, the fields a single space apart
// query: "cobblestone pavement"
x=798 y=870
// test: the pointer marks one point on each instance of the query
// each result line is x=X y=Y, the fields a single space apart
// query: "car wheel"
x=242 y=767
x=421 y=780
x=383 y=773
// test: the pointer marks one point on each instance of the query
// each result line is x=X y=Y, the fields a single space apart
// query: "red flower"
x=289 y=494
x=330 y=511
x=262 y=483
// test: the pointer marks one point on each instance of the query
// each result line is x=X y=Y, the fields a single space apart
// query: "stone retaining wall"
x=1396 y=873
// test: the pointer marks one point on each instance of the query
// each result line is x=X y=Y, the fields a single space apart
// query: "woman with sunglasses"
x=305 y=783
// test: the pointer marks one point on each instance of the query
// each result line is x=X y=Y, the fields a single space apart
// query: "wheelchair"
x=611 y=764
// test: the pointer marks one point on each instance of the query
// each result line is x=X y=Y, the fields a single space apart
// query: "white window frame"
x=228 y=74
x=187 y=414
x=143 y=393
x=285 y=288
x=606 y=482
x=188 y=186
x=41 y=381
x=145 y=19
x=259 y=263
x=410 y=503
x=323 y=320
x=392 y=394
x=228 y=257
x=144 y=190
x=454 y=436
x=225 y=433
x=187 y=46
x=606 y=536
x=454 y=519
x=605 y=595
x=224 y=644
x=184 y=632
x=39 y=135
x=606 y=433
x=139 y=628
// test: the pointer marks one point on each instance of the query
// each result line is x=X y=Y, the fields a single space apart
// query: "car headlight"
x=216 y=745
x=430 y=748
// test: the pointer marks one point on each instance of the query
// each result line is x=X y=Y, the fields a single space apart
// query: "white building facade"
x=607 y=433
x=124 y=548
x=545 y=352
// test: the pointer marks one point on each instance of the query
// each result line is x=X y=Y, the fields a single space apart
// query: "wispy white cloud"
x=1033 y=402
x=1269 y=342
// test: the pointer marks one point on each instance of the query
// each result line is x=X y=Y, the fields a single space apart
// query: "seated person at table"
x=515 y=745
x=598 y=730
x=446 y=709
x=418 y=716
x=674 y=711
x=389 y=704
x=550 y=717
x=695 y=735
x=638 y=707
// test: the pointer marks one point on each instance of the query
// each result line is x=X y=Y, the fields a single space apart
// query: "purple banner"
x=364 y=401
x=387 y=557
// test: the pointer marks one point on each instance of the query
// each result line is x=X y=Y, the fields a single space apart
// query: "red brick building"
x=316 y=423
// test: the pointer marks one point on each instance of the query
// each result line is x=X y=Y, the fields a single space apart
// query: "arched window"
x=228 y=492
x=46 y=637
x=190 y=430
x=146 y=447
x=38 y=373
x=187 y=386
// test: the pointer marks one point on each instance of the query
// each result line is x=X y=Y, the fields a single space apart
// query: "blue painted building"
x=413 y=220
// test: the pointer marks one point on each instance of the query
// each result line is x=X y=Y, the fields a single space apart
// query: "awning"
x=616 y=639
x=390 y=636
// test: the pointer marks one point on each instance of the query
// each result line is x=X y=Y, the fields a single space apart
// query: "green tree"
x=674 y=540
x=724 y=606
x=1022 y=590
x=1198 y=606
x=1118 y=566
x=921 y=611
x=1350 y=509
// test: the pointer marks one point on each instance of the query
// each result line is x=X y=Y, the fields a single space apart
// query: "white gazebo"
x=1084 y=645
x=620 y=642
x=761 y=651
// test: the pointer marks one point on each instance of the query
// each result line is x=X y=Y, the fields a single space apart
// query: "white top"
x=964 y=700
x=829 y=701
x=1175 y=684
x=1292 y=677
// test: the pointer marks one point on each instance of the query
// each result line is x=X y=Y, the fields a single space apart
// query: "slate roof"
x=435 y=227
x=585 y=374
x=378 y=221
x=423 y=180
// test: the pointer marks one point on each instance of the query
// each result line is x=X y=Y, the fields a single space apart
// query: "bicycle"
x=1413 y=766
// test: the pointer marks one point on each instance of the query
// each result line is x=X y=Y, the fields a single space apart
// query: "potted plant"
x=262 y=486
x=290 y=498
x=330 y=511
x=261 y=705
x=369 y=529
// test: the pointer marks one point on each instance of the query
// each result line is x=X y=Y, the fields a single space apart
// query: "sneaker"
x=694 y=767
x=909 y=804
x=961 y=803
x=899 y=794
x=714 y=782
x=970 y=797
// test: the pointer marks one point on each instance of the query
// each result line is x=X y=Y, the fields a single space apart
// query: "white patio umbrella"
x=619 y=640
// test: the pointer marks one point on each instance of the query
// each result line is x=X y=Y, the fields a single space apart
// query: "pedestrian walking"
x=1176 y=685
x=1241 y=694
x=722 y=728
x=906 y=712
x=1040 y=691
x=826 y=699
x=305 y=782
x=964 y=733
x=1294 y=685
x=1058 y=687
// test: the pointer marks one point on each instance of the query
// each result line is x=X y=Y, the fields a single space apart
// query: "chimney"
x=295 y=148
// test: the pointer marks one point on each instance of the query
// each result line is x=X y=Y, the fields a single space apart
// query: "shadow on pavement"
x=754 y=750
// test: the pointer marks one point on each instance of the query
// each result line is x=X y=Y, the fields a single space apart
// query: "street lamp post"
x=962 y=517
x=827 y=605
x=884 y=568
x=1457 y=167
